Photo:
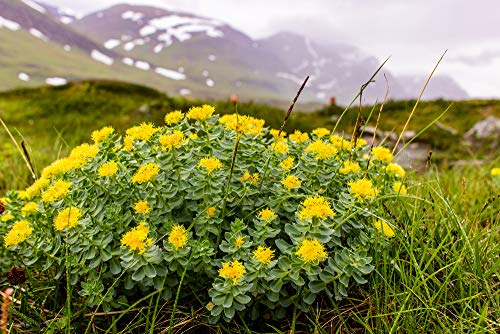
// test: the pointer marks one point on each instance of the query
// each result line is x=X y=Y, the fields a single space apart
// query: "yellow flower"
x=395 y=169
x=6 y=217
x=350 y=167
x=322 y=149
x=287 y=163
x=146 y=173
x=84 y=151
x=495 y=171
x=321 y=132
x=267 y=214
x=274 y=133
x=234 y=271
x=299 y=137
x=29 y=207
x=316 y=207
x=399 y=188
x=68 y=217
x=193 y=136
x=280 y=147
x=210 y=211
x=360 y=142
x=128 y=143
x=242 y=124
x=239 y=242
x=263 y=254
x=142 y=132
x=56 y=192
x=178 y=236
x=200 y=113
x=19 y=232
x=137 y=238
x=340 y=142
x=362 y=189
x=384 y=227
x=210 y=164
x=311 y=250
x=63 y=165
x=36 y=187
x=291 y=181
x=174 y=117
x=170 y=141
x=100 y=135
x=141 y=207
x=109 y=168
x=247 y=177
x=382 y=154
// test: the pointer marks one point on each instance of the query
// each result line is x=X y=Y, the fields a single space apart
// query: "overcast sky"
x=413 y=32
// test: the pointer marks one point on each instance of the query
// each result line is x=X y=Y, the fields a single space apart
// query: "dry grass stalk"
x=4 y=318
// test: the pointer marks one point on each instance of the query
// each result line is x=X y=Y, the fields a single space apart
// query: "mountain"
x=186 y=54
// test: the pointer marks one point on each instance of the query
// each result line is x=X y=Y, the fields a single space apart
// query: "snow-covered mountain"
x=187 y=54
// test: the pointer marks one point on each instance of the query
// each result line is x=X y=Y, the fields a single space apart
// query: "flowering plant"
x=223 y=204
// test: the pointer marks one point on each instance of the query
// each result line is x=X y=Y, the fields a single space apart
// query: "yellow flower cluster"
x=200 y=113
x=316 y=207
x=56 y=192
x=399 y=188
x=19 y=232
x=35 y=188
x=395 y=169
x=263 y=254
x=141 y=207
x=109 y=168
x=178 y=236
x=141 y=132
x=210 y=164
x=62 y=166
x=350 y=167
x=29 y=207
x=291 y=181
x=174 y=117
x=280 y=147
x=495 y=171
x=234 y=270
x=340 y=142
x=146 y=173
x=100 y=135
x=170 y=141
x=210 y=211
x=267 y=214
x=84 y=151
x=382 y=154
x=6 y=217
x=299 y=137
x=239 y=242
x=68 y=217
x=385 y=228
x=287 y=164
x=274 y=133
x=362 y=189
x=311 y=250
x=242 y=124
x=321 y=149
x=321 y=132
x=247 y=177
x=128 y=143
x=137 y=238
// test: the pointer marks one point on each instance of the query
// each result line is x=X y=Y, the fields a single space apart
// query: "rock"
x=487 y=128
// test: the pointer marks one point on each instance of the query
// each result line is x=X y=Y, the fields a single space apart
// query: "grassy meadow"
x=438 y=273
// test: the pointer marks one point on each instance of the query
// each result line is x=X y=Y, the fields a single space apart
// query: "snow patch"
x=185 y=91
x=210 y=83
x=128 y=61
x=69 y=12
x=67 y=48
x=101 y=57
x=9 y=24
x=38 y=34
x=35 y=6
x=170 y=74
x=142 y=65
x=212 y=57
x=310 y=49
x=23 y=76
x=67 y=19
x=112 y=43
x=131 y=45
x=131 y=15
x=56 y=81
x=147 y=30
x=158 y=48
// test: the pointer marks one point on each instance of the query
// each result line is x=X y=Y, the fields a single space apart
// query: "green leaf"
x=114 y=267
x=309 y=298
x=218 y=299
x=150 y=271
x=316 y=286
x=243 y=299
x=228 y=301
x=139 y=274
x=276 y=285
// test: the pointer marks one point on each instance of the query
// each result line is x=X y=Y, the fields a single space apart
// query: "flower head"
x=174 y=117
x=395 y=169
x=210 y=164
x=234 y=270
x=56 y=192
x=321 y=132
x=146 y=173
x=299 y=137
x=137 y=238
x=109 y=168
x=19 y=232
x=362 y=189
x=280 y=147
x=36 y=187
x=29 y=207
x=142 y=132
x=382 y=154
x=291 y=181
x=242 y=124
x=495 y=171
x=316 y=207
x=68 y=217
x=350 y=167
x=128 y=143
x=100 y=135
x=263 y=254
x=247 y=177
x=399 y=188
x=287 y=163
x=385 y=228
x=239 y=242
x=6 y=217
x=170 y=141
x=321 y=149
x=178 y=236
x=340 y=142
x=141 y=207
x=200 y=113
x=267 y=214
x=210 y=211
x=311 y=250
x=84 y=151
x=275 y=132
